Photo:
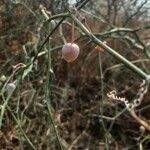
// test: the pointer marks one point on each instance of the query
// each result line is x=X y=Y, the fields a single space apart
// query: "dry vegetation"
x=84 y=117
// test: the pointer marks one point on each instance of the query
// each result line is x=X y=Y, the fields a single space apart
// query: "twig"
x=139 y=120
x=48 y=90
x=14 y=117
x=110 y=50
x=102 y=99
x=136 y=102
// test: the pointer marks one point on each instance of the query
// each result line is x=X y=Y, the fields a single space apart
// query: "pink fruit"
x=70 y=51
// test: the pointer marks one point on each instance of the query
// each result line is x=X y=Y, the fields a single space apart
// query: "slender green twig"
x=48 y=102
x=48 y=90
x=79 y=5
x=11 y=112
x=110 y=50
x=21 y=142
x=47 y=38
x=9 y=92
x=3 y=107
x=102 y=99
x=20 y=128
x=57 y=16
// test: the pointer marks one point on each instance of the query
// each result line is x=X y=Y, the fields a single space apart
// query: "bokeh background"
x=78 y=90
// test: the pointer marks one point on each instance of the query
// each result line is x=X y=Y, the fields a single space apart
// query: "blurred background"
x=85 y=118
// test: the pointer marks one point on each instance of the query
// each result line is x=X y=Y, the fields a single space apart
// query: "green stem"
x=102 y=99
x=48 y=94
x=110 y=50
x=11 y=112
x=63 y=15
x=20 y=128
x=72 y=34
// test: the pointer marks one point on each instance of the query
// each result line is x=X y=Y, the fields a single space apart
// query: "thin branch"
x=110 y=50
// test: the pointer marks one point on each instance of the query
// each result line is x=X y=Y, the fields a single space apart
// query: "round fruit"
x=70 y=51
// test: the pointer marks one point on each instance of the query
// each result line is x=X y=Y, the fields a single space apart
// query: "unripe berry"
x=11 y=87
x=70 y=51
x=142 y=129
x=3 y=78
